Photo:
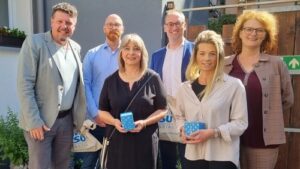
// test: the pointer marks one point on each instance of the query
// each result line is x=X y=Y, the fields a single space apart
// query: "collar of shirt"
x=180 y=46
x=107 y=47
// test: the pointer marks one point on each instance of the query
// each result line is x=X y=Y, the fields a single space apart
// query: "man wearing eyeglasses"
x=171 y=62
x=100 y=62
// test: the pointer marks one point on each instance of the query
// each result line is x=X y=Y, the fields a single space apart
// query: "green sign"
x=293 y=63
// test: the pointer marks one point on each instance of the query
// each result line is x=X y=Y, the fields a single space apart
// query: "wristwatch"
x=217 y=132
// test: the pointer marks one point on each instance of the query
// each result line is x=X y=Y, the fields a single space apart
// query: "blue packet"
x=193 y=126
x=127 y=121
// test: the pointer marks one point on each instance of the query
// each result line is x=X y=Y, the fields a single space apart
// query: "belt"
x=64 y=113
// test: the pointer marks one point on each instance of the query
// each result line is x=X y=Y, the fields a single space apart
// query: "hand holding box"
x=127 y=121
x=193 y=126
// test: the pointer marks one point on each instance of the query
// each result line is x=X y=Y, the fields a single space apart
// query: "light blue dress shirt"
x=98 y=64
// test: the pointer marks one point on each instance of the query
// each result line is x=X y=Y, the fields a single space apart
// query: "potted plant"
x=13 y=146
x=218 y=24
x=228 y=22
x=215 y=25
x=11 y=37
x=224 y=26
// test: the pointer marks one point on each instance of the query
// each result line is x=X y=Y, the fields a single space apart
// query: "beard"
x=113 y=36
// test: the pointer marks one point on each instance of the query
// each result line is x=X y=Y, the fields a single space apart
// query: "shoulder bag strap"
x=112 y=133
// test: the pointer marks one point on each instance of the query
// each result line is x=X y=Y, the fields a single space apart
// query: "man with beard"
x=51 y=91
x=98 y=64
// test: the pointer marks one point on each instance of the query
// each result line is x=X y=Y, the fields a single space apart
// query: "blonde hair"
x=193 y=71
x=66 y=8
x=138 y=41
x=269 y=23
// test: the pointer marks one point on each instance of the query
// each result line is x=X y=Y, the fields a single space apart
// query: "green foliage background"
x=12 y=143
x=216 y=24
x=12 y=32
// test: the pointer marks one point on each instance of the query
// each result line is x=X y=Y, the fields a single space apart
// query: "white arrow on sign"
x=294 y=62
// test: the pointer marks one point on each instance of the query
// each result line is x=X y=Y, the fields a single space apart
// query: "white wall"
x=8 y=76
x=20 y=16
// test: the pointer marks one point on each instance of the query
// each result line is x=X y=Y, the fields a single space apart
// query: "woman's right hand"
x=200 y=136
x=118 y=126
x=183 y=136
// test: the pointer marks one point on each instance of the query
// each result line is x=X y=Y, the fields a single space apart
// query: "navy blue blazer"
x=158 y=58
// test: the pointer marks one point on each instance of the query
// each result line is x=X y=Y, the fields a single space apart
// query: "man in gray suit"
x=51 y=91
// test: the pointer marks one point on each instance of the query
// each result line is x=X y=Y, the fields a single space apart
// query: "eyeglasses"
x=258 y=31
x=111 y=25
x=172 y=24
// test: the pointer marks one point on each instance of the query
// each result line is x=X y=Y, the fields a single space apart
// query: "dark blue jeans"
x=89 y=159
x=168 y=154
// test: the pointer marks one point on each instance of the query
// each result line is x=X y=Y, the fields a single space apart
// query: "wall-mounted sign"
x=293 y=63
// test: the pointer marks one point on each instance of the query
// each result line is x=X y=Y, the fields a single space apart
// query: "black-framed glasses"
x=258 y=31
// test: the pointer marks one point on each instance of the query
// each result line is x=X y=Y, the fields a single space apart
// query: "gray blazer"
x=40 y=84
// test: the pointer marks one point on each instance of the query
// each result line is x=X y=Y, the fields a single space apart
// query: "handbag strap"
x=140 y=89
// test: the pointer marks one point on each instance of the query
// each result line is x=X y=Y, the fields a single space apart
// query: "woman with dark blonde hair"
x=268 y=87
x=216 y=100
x=136 y=89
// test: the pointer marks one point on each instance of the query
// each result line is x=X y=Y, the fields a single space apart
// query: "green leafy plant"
x=12 y=143
x=5 y=31
x=216 y=24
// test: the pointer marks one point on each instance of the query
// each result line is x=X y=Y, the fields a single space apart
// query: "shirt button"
x=265 y=112
x=265 y=129
x=266 y=95
x=264 y=78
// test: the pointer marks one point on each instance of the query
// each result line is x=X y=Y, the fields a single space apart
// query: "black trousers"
x=203 y=164
x=168 y=154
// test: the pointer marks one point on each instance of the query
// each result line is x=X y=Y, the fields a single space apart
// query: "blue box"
x=127 y=121
x=193 y=126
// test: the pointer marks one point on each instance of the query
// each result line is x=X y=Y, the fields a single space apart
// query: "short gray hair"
x=175 y=12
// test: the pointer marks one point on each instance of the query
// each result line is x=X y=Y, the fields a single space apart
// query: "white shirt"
x=224 y=108
x=172 y=69
x=69 y=72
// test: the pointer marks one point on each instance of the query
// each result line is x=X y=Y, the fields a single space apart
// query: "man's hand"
x=38 y=133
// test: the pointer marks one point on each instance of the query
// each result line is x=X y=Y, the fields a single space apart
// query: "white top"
x=69 y=72
x=172 y=69
x=214 y=110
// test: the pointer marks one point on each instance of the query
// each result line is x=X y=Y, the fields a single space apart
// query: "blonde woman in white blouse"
x=218 y=100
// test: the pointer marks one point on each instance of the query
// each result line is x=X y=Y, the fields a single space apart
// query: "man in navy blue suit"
x=171 y=62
